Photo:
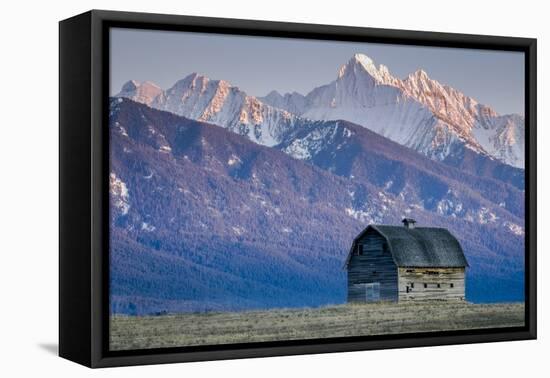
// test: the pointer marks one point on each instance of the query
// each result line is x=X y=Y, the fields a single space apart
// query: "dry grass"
x=288 y=324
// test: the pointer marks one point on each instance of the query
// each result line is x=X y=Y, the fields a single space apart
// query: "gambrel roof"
x=426 y=247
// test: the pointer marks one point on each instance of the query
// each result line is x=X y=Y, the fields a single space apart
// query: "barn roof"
x=427 y=247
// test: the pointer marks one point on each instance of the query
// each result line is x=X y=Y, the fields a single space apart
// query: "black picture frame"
x=83 y=181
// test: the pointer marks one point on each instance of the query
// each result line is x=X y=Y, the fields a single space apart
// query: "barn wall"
x=374 y=265
x=431 y=276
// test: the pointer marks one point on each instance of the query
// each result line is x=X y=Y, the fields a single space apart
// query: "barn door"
x=372 y=292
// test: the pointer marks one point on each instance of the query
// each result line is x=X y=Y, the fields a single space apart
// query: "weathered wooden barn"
x=400 y=263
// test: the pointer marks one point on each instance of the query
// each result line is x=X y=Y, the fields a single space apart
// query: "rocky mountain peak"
x=145 y=92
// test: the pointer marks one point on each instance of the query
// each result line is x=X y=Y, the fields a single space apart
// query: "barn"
x=404 y=263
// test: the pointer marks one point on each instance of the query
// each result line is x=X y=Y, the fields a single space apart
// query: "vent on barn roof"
x=408 y=222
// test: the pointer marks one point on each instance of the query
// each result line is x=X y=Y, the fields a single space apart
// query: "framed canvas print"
x=233 y=188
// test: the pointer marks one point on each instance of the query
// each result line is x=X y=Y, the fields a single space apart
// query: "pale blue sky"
x=259 y=64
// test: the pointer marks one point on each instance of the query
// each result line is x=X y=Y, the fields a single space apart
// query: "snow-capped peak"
x=357 y=64
x=419 y=74
x=145 y=92
x=365 y=61
x=293 y=102
x=417 y=111
x=198 y=97
x=196 y=82
x=361 y=65
x=418 y=84
x=463 y=114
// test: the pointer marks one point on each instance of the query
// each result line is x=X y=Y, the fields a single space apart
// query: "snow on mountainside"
x=144 y=92
x=293 y=102
x=417 y=112
x=502 y=137
x=194 y=200
x=218 y=102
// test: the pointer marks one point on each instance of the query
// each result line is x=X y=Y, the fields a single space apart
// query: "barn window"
x=425 y=286
x=438 y=286
x=412 y=285
x=385 y=247
x=410 y=270
x=359 y=249
x=452 y=285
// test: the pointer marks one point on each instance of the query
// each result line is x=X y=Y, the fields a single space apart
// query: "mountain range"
x=205 y=219
x=418 y=112
x=225 y=201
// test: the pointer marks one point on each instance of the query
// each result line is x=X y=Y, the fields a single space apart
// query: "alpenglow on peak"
x=360 y=64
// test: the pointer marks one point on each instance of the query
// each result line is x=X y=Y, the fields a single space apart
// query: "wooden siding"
x=445 y=277
x=374 y=265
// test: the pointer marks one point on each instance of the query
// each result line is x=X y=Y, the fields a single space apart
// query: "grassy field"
x=144 y=332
